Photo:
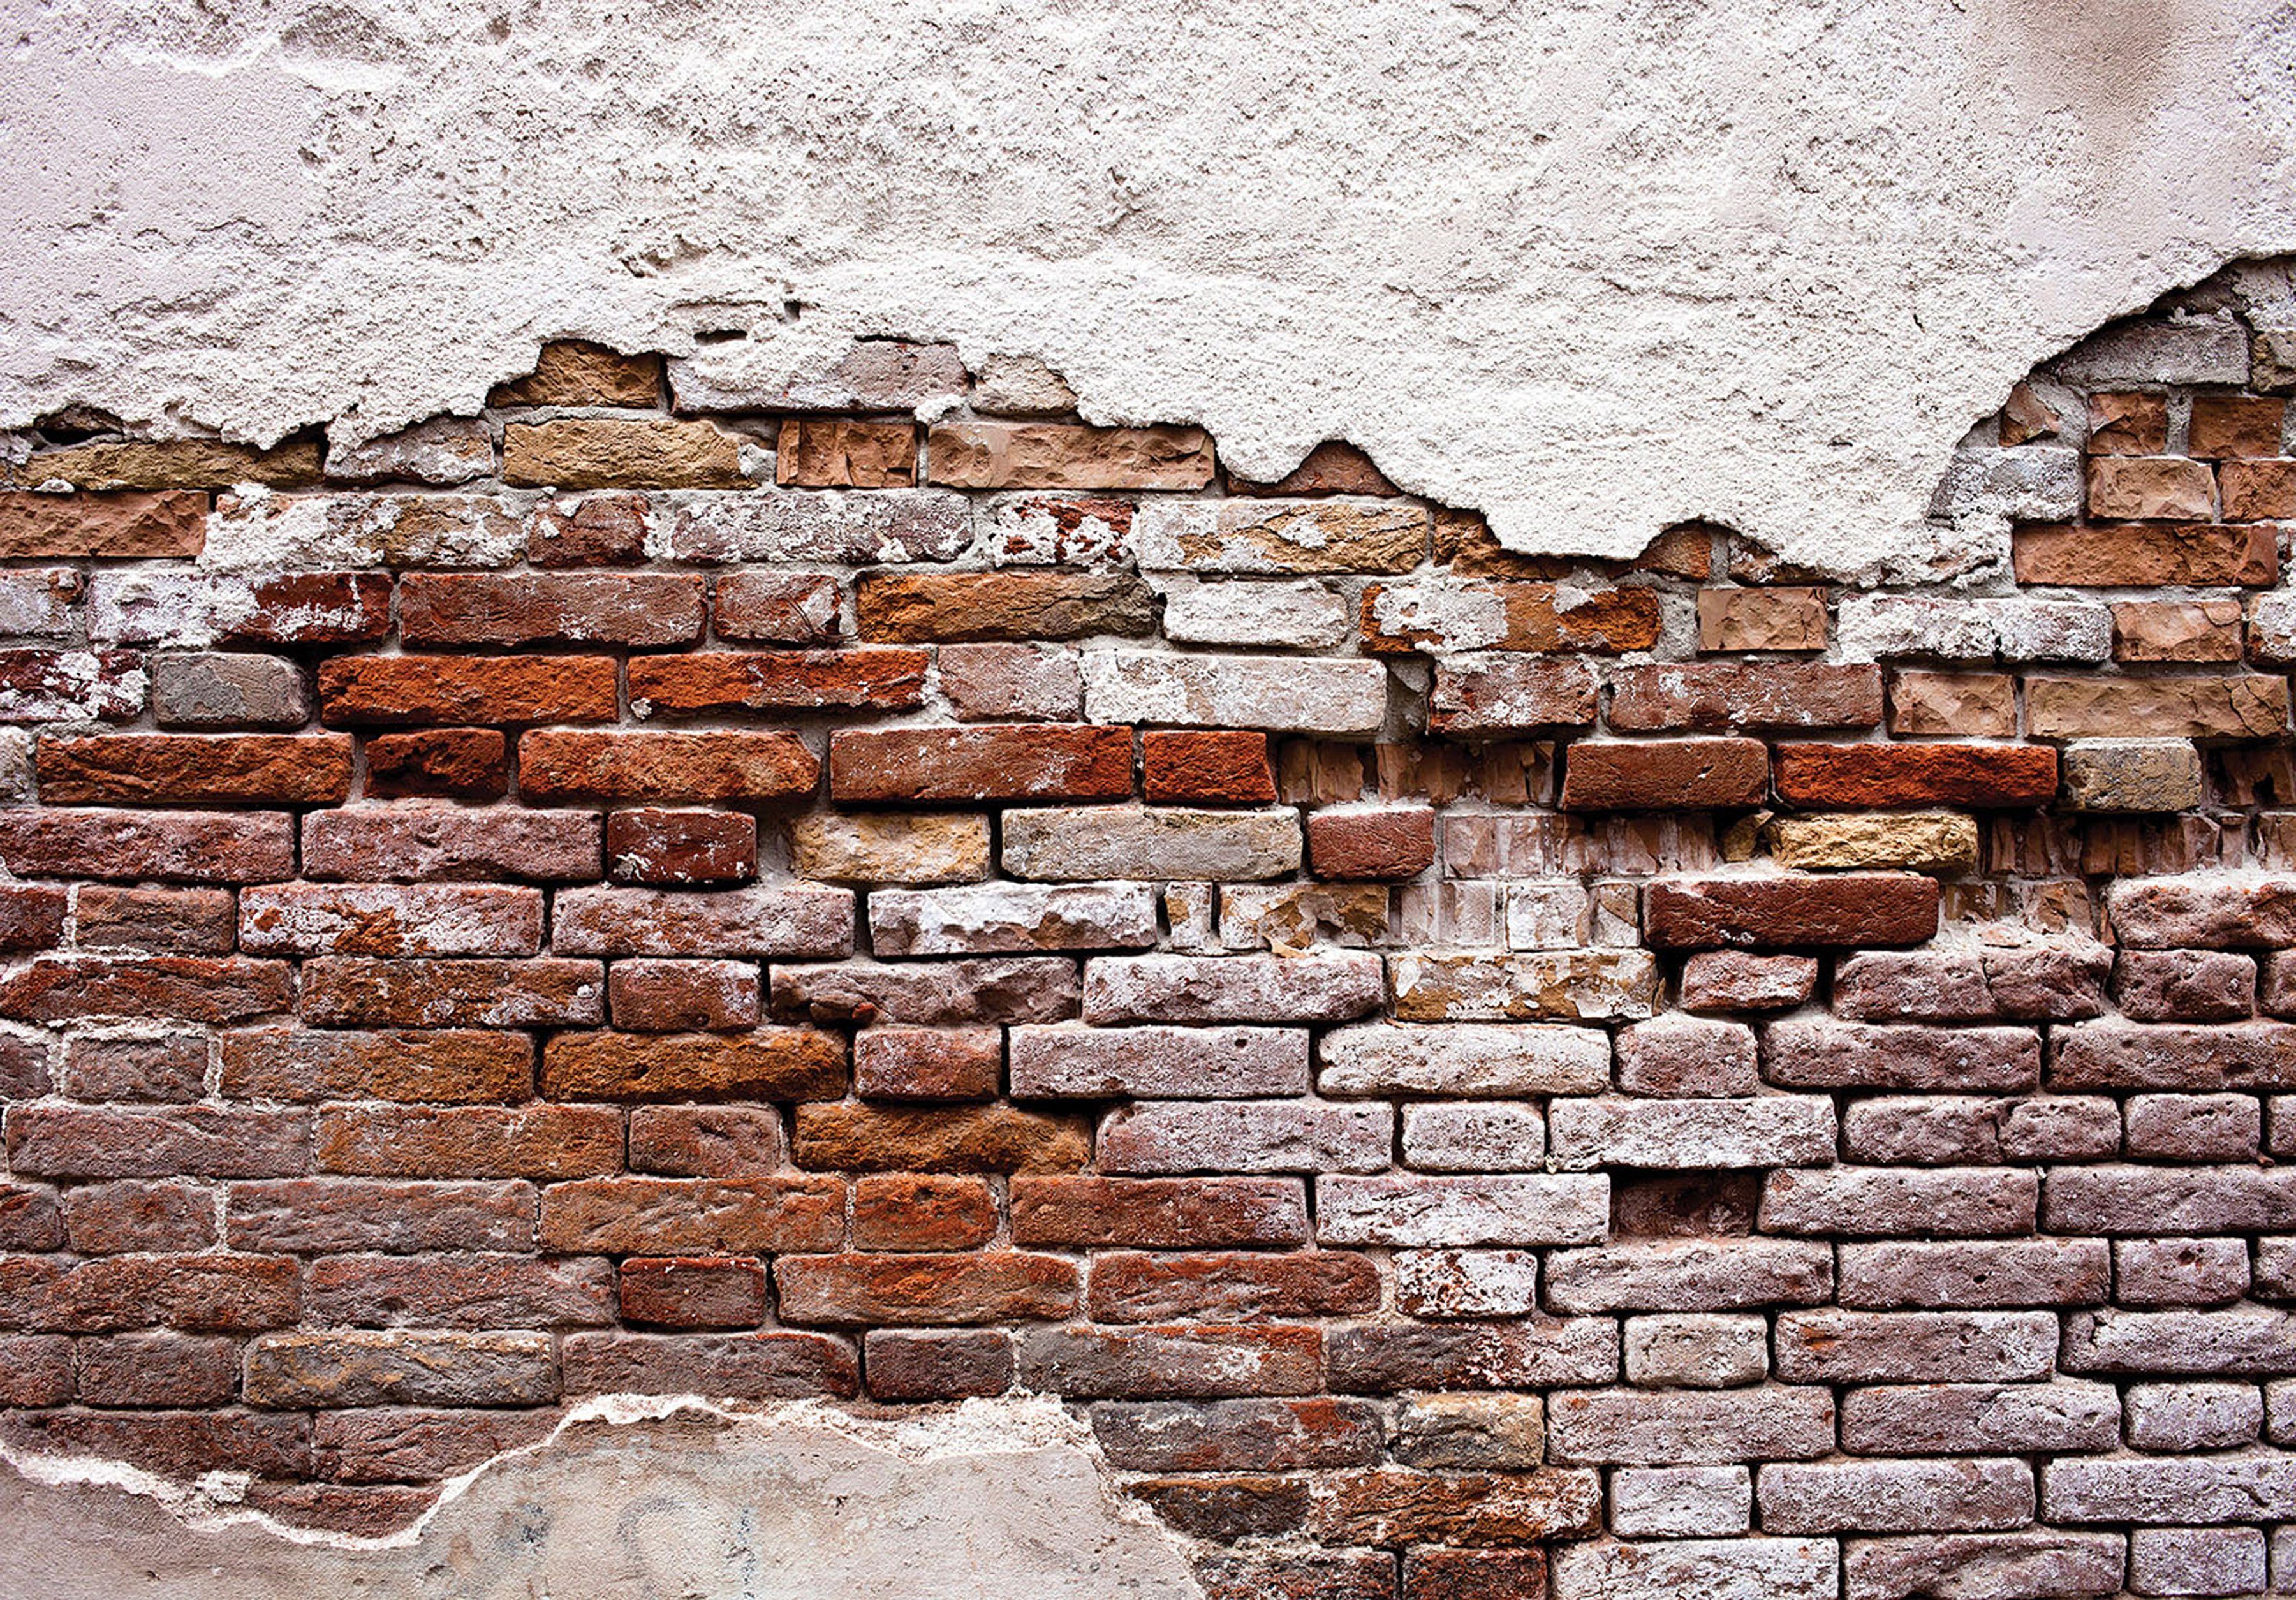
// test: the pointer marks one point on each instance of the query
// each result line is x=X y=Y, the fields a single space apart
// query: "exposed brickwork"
x=1479 y=1074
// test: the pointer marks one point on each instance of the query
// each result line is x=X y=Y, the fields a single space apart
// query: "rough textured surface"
x=1699 y=187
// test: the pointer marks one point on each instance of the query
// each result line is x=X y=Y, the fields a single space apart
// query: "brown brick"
x=242 y=847
x=1067 y=456
x=996 y=1138
x=196 y=768
x=635 y=609
x=1022 y=761
x=131 y=1217
x=1394 y=1506
x=1333 y=467
x=2241 y=706
x=927 y=1063
x=2175 y=630
x=1379 y=843
x=618 y=453
x=313 y=1216
x=1206 y=769
x=933 y=1289
x=474 y=1291
x=182 y=1445
x=605 y=530
x=456 y=763
x=2258 y=490
x=175 y=464
x=938 y=1364
x=355 y=690
x=29 y=1219
x=769 y=1365
x=189 y=922
x=700 y=767
x=1437 y=1574
x=1846 y=908
x=693 y=1216
x=351 y=991
x=351 y=1367
x=575 y=372
x=1855 y=776
x=705 y=1141
x=1129 y=1286
x=1665 y=774
x=1208 y=1359
x=1240 y=1435
x=1025 y=606
x=670 y=996
x=1969 y=705
x=167 y=1067
x=769 y=1063
x=914 y=1211
x=1761 y=620
x=1711 y=696
x=1224 y=1508
x=192 y=988
x=779 y=608
x=823 y=452
x=2151 y=488
x=35 y=1369
x=2144 y=555
x=112 y=527
x=450 y=1066
x=1158 y=1213
x=32 y=918
x=2128 y=424
x=711 y=681
x=693 y=1292
x=409 y=1140
x=204 y=1293
x=414 y=1444
x=2225 y=425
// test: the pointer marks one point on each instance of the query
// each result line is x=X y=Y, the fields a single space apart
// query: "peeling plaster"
x=1594 y=267
x=644 y=1495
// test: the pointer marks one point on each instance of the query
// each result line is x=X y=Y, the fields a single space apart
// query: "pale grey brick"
x=1463 y=1212
x=2252 y=1485
x=1473 y=1135
x=1681 y=1502
x=1697 y=1350
x=1730 y=1569
x=1246 y=1136
x=1874 y=1202
x=979 y=919
x=1690 y=1274
x=1462 y=1058
x=2038 y=1563
x=2247 y=1340
x=1437 y=1283
x=1916 y=1347
x=1895 y=1497
x=1081 y=843
x=1639 y=1427
x=1964 y=1419
x=1329 y=986
x=1773 y=1131
x=2194 y=1416
x=1157 y=1061
x=2196 y=1561
x=2000 y=1272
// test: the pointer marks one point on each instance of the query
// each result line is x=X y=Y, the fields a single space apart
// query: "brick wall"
x=1478 y=1073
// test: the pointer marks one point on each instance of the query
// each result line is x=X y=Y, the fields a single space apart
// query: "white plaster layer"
x=1594 y=267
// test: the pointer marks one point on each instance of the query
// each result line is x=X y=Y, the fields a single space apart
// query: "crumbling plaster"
x=1594 y=267
x=645 y=1496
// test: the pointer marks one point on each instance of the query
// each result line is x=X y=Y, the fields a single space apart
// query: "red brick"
x=927 y=1063
x=693 y=1292
x=679 y=847
x=29 y=1219
x=770 y=1366
x=204 y=1293
x=1665 y=774
x=1486 y=695
x=1158 y=1213
x=31 y=917
x=23 y=1068
x=670 y=996
x=995 y=1139
x=2258 y=490
x=769 y=1063
x=1822 y=776
x=109 y=526
x=70 y=685
x=327 y=1215
x=605 y=530
x=186 y=921
x=779 y=608
x=488 y=1289
x=181 y=1445
x=294 y=1064
x=938 y=1289
x=195 y=768
x=169 y=1067
x=637 y=608
x=705 y=1141
x=458 y=763
x=2149 y=487
x=1132 y=1287
x=823 y=452
x=58 y=989
x=693 y=1216
x=2144 y=554
x=2225 y=425
x=665 y=767
x=180 y=607
x=1207 y=768
x=364 y=1511
x=1711 y=696
x=192 y=846
x=390 y=919
x=1845 y=908
x=1535 y=617
x=1436 y=1574
x=937 y=1364
x=386 y=689
x=354 y=991
x=774 y=680
x=1390 y=842
x=1023 y=606
x=35 y=1369
x=2128 y=424
x=1043 y=761
x=475 y=1141
x=912 y=1211
x=128 y=1216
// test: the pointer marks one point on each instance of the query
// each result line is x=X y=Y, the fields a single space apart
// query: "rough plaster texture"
x=646 y=1496
x=1594 y=267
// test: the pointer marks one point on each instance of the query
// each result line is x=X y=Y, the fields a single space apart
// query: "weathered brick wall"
x=1478 y=1073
